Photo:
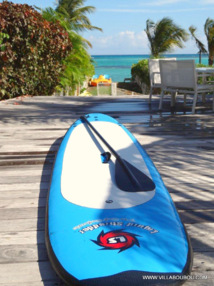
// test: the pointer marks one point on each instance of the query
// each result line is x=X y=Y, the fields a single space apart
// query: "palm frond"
x=164 y=36
x=199 y=44
x=76 y=12
x=209 y=30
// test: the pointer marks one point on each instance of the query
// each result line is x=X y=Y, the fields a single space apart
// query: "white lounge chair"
x=181 y=77
x=154 y=74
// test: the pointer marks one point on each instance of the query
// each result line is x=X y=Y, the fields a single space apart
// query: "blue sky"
x=123 y=22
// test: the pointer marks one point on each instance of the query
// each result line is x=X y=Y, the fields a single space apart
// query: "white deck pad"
x=86 y=181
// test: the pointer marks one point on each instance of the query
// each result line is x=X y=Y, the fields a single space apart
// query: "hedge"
x=140 y=74
x=32 y=51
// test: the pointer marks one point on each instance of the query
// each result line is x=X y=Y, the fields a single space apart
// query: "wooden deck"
x=181 y=146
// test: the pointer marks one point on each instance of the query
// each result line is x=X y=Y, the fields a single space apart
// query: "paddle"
x=128 y=177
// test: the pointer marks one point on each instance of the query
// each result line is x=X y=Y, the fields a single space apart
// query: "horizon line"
x=145 y=54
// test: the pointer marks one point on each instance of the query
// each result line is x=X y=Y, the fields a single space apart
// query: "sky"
x=123 y=22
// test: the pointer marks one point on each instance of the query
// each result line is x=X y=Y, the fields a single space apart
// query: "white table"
x=204 y=72
x=205 y=69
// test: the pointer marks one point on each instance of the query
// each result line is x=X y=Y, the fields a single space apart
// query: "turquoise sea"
x=119 y=66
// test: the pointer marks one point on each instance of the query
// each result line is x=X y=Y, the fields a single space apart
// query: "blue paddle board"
x=110 y=219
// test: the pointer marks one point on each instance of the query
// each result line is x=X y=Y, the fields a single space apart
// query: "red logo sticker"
x=117 y=239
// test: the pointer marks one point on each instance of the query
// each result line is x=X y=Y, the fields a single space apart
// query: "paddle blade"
x=123 y=181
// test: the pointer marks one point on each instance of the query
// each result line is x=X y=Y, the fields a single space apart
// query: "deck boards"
x=181 y=146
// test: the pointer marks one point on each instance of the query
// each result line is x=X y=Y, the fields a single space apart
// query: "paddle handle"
x=116 y=155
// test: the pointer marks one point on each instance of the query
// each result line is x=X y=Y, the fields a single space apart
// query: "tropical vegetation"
x=78 y=64
x=140 y=74
x=72 y=17
x=164 y=35
x=42 y=52
x=75 y=12
x=199 y=44
x=32 y=51
x=209 y=32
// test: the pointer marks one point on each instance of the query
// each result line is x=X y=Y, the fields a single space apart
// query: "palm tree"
x=209 y=32
x=78 y=65
x=164 y=35
x=199 y=44
x=53 y=16
x=75 y=12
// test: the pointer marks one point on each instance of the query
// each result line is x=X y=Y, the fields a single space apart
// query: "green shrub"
x=140 y=73
x=31 y=51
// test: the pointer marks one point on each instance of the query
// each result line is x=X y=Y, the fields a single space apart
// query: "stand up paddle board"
x=110 y=220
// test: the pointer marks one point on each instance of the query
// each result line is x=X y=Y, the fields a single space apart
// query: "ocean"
x=119 y=66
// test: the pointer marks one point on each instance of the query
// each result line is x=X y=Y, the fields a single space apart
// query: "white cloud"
x=204 y=2
x=113 y=10
x=130 y=42
x=162 y=2
x=137 y=4
x=154 y=11
x=122 y=42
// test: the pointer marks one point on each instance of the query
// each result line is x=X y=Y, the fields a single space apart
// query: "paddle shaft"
x=116 y=155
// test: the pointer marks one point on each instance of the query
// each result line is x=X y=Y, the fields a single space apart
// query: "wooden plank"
x=18 y=194
x=198 y=280
x=186 y=168
x=201 y=235
x=22 y=213
x=21 y=158
x=27 y=272
x=36 y=170
x=10 y=254
x=56 y=282
x=22 y=203
x=26 y=162
x=27 y=224
x=25 y=153
x=26 y=186
x=195 y=205
x=203 y=262
x=20 y=177
x=186 y=188
x=185 y=197
x=34 y=144
x=8 y=180
x=184 y=180
x=35 y=134
x=20 y=147
x=202 y=176
x=22 y=237
x=196 y=216
x=175 y=156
